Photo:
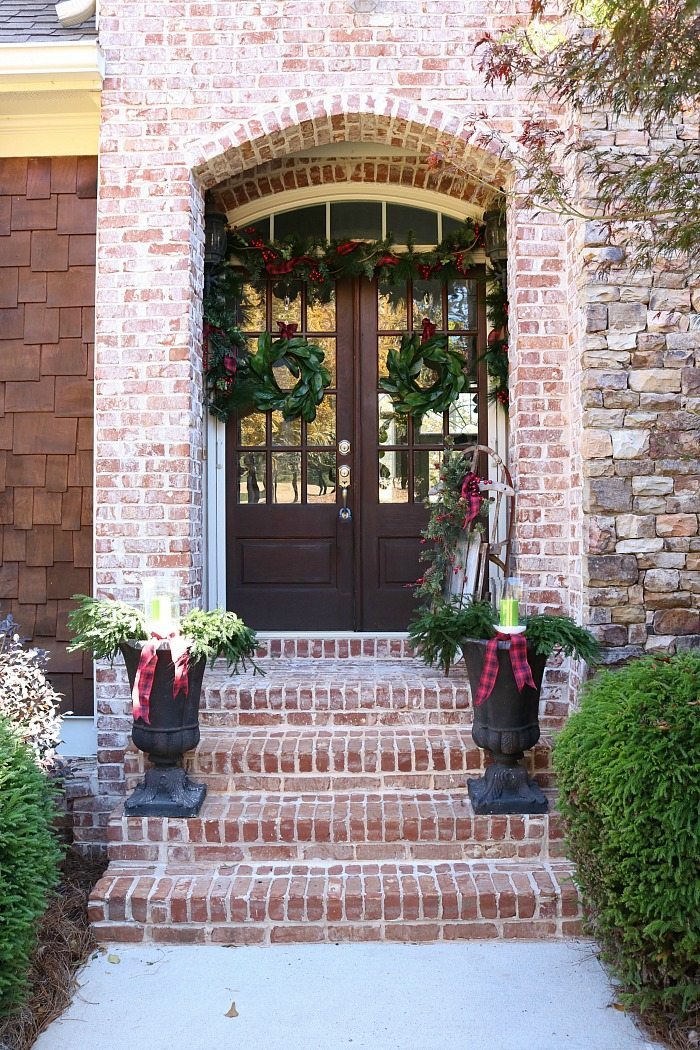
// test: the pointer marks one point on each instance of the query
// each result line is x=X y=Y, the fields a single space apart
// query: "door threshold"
x=330 y=635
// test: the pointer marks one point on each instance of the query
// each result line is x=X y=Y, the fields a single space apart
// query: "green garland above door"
x=239 y=381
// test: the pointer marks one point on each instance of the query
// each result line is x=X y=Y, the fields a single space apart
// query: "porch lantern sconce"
x=214 y=240
x=496 y=238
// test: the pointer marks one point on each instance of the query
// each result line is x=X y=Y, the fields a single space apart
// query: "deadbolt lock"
x=344 y=474
x=344 y=447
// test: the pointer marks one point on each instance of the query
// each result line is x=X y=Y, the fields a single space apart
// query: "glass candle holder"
x=161 y=606
x=511 y=597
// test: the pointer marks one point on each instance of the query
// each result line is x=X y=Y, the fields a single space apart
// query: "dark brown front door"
x=292 y=562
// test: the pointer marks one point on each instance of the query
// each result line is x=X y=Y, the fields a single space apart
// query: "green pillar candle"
x=509 y=612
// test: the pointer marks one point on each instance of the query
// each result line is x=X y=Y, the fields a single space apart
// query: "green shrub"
x=629 y=774
x=29 y=857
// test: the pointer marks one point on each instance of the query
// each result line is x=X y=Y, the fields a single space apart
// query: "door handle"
x=344 y=514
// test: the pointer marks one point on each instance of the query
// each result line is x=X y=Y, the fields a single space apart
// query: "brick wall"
x=47 y=268
x=205 y=97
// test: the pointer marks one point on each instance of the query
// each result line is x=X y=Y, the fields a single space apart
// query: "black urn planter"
x=506 y=724
x=166 y=790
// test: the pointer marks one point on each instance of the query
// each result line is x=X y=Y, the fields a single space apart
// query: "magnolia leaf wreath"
x=416 y=353
x=240 y=381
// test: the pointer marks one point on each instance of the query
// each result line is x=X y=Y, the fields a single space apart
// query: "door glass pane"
x=461 y=304
x=251 y=477
x=393 y=477
x=464 y=417
x=429 y=430
x=320 y=477
x=393 y=429
x=286 y=477
x=386 y=343
x=464 y=345
x=286 y=303
x=427 y=302
x=320 y=316
x=322 y=430
x=402 y=220
x=328 y=347
x=302 y=222
x=285 y=431
x=285 y=379
x=450 y=225
x=392 y=312
x=252 y=429
x=253 y=308
x=426 y=473
x=356 y=219
x=260 y=226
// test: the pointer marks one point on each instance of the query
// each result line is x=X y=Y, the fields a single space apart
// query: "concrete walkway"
x=495 y=995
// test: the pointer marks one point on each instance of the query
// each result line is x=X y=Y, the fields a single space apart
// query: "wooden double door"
x=294 y=561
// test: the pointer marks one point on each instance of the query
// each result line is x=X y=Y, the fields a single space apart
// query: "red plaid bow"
x=287 y=331
x=146 y=670
x=471 y=493
x=518 y=661
x=429 y=330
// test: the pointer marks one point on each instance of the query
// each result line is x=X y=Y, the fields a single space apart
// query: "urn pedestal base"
x=166 y=792
x=506 y=788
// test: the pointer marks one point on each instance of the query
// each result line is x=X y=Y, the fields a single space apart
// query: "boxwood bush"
x=628 y=766
x=29 y=857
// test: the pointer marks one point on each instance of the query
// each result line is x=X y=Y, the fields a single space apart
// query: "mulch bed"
x=65 y=941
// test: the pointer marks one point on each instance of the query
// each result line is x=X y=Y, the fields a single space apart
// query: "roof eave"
x=51 y=64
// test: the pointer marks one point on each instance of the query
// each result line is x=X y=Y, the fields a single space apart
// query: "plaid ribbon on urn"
x=146 y=670
x=522 y=671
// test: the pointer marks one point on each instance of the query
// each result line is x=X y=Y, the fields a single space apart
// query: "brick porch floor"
x=337 y=810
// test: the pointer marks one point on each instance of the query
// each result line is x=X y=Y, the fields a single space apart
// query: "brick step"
x=353 y=692
x=417 y=758
x=277 y=903
x=344 y=827
x=325 y=692
x=348 y=645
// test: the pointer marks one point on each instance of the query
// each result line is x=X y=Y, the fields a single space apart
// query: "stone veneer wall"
x=47 y=294
x=641 y=441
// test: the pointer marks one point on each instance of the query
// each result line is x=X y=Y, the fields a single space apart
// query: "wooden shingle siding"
x=47 y=295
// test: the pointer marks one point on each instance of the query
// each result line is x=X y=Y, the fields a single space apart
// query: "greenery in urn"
x=442 y=623
x=101 y=625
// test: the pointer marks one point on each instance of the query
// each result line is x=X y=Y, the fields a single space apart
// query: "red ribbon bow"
x=522 y=671
x=280 y=269
x=287 y=331
x=429 y=330
x=146 y=671
x=471 y=493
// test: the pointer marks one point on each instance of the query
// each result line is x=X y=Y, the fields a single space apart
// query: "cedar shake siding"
x=47 y=299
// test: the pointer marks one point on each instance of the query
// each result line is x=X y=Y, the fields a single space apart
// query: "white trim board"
x=78 y=736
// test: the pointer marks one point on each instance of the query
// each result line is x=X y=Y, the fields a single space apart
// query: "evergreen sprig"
x=438 y=632
x=219 y=633
x=101 y=625
x=546 y=633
